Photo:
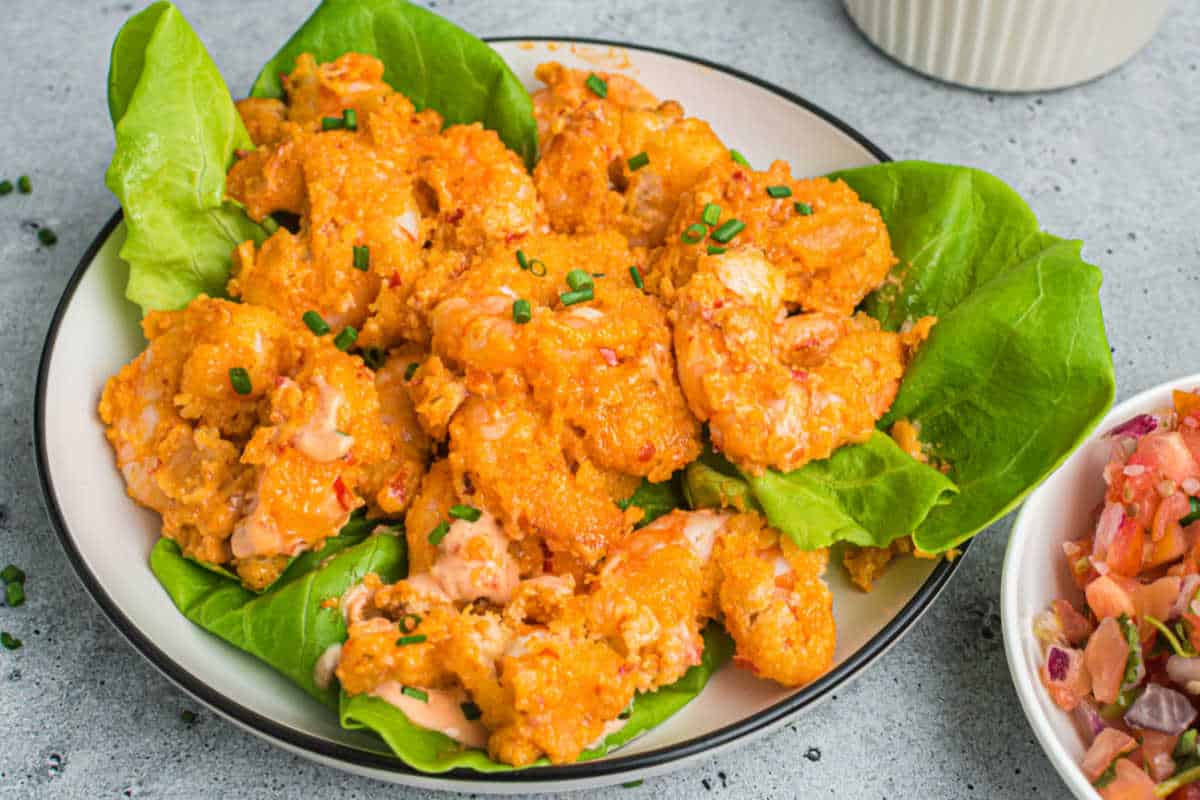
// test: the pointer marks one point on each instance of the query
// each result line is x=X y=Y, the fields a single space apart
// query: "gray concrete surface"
x=1114 y=163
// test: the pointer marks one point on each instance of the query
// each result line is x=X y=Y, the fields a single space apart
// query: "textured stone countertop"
x=1114 y=162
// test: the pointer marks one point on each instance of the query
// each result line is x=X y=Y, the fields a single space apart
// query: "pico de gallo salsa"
x=1126 y=662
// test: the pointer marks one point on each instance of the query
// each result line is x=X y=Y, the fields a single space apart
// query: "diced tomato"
x=1173 y=508
x=1075 y=626
x=1191 y=438
x=1156 y=753
x=1168 y=453
x=1111 y=597
x=1108 y=745
x=1125 y=554
x=1193 y=628
x=1171 y=547
x=1105 y=657
x=1157 y=598
x=1131 y=783
x=1185 y=402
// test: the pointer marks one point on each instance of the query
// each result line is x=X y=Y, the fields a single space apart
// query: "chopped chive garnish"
x=631 y=784
x=638 y=161
x=636 y=274
x=315 y=323
x=411 y=370
x=471 y=711
x=362 y=257
x=537 y=268
x=1193 y=512
x=597 y=85
x=469 y=513
x=418 y=638
x=694 y=233
x=578 y=279
x=47 y=237
x=351 y=119
x=522 y=311
x=437 y=534
x=6 y=187
x=374 y=357
x=738 y=158
x=577 y=296
x=415 y=693
x=711 y=214
x=803 y=209
x=12 y=574
x=188 y=716
x=239 y=379
x=779 y=191
x=714 y=250
x=729 y=229
x=409 y=622
x=332 y=123
x=24 y=185
x=522 y=260
x=14 y=594
x=9 y=641
x=345 y=340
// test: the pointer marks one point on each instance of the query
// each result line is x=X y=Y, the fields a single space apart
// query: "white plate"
x=1035 y=574
x=107 y=537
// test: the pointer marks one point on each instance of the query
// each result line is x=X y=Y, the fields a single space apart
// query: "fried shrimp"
x=832 y=247
x=243 y=475
x=611 y=165
x=779 y=391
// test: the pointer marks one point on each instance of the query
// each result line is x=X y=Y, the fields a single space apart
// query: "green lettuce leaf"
x=433 y=62
x=1018 y=369
x=285 y=626
x=176 y=133
x=712 y=482
x=655 y=499
x=430 y=751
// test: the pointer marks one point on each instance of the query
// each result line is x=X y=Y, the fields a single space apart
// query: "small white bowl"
x=1035 y=574
x=1009 y=45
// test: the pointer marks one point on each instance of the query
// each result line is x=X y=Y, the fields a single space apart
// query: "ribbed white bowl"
x=1009 y=45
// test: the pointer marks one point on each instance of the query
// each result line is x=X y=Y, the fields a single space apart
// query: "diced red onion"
x=1190 y=485
x=1136 y=426
x=1187 y=590
x=1184 y=671
x=1058 y=661
x=1133 y=470
x=1106 y=528
x=1161 y=709
x=1089 y=720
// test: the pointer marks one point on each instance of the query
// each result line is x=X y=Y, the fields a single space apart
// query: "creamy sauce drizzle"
x=319 y=438
x=326 y=666
x=461 y=578
x=442 y=713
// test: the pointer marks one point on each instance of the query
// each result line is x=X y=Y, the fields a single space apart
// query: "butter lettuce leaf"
x=1017 y=370
x=286 y=626
x=430 y=60
x=176 y=131
x=430 y=751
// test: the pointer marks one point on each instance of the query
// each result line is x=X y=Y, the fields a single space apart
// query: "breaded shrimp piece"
x=774 y=602
x=832 y=257
x=178 y=426
x=354 y=196
x=352 y=81
x=392 y=483
x=264 y=118
x=478 y=189
x=654 y=594
x=503 y=447
x=567 y=89
x=588 y=183
x=778 y=391
x=559 y=690
x=402 y=309
x=325 y=430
